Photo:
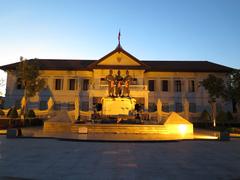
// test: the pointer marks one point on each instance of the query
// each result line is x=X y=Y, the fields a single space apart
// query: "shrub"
x=1 y=113
x=138 y=107
x=12 y=113
x=131 y=121
x=30 y=118
x=98 y=106
x=30 y=114
x=9 y=111
x=229 y=116
x=109 y=121
x=205 y=116
x=221 y=117
x=36 y=122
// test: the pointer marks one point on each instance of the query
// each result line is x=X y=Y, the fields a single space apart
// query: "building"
x=174 y=83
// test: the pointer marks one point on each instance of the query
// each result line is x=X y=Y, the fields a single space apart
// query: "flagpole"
x=119 y=37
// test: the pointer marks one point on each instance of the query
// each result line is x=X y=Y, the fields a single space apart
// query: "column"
x=186 y=108
x=50 y=104
x=23 y=103
x=159 y=110
x=146 y=102
x=77 y=110
x=90 y=101
x=171 y=87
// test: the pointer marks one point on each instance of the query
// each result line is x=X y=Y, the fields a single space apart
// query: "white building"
x=174 y=83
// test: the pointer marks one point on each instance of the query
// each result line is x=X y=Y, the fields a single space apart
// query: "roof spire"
x=119 y=37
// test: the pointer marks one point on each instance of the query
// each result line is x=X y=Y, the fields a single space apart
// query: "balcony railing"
x=132 y=87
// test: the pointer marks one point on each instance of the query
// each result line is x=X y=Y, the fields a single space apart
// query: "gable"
x=119 y=59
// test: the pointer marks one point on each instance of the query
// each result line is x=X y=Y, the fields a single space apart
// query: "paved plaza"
x=28 y=158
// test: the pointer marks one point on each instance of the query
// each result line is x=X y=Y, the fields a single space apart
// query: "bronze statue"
x=110 y=80
x=118 y=82
x=127 y=80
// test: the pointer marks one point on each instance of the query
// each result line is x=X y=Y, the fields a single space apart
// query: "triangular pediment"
x=120 y=58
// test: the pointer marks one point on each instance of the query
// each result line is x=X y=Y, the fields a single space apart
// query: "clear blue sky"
x=151 y=29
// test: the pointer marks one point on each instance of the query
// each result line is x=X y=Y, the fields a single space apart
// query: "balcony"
x=104 y=87
x=102 y=90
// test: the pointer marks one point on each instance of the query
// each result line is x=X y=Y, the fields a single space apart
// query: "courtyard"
x=41 y=158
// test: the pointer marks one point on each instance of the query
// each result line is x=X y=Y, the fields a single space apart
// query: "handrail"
x=105 y=86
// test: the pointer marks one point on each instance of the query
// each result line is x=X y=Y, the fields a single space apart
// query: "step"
x=57 y=127
x=114 y=128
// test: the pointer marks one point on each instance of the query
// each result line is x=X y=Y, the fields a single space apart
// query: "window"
x=165 y=107
x=85 y=84
x=177 y=86
x=85 y=106
x=178 y=107
x=151 y=84
x=152 y=107
x=191 y=86
x=192 y=107
x=165 y=85
x=103 y=81
x=58 y=84
x=70 y=106
x=58 y=106
x=72 y=84
x=19 y=84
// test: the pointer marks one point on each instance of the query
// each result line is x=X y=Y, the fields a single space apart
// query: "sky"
x=150 y=29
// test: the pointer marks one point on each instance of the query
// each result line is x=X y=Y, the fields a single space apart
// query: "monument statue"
x=127 y=80
x=118 y=82
x=110 y=80
x=116 y=104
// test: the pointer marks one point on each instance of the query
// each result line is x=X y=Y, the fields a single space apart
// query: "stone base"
x=57 y=127
x=117 y=106
x=120 y=128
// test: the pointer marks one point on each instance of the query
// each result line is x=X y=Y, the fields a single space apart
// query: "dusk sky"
x=151 y=29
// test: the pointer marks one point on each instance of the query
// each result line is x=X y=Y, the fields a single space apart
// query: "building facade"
x=174 y=83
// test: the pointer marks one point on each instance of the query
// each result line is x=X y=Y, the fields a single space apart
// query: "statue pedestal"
x=117 y=106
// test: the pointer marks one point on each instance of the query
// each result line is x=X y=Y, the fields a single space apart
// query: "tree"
x=215 y=87
x=232 y=90
x=28 y=74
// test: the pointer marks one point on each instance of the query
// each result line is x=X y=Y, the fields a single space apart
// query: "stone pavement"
x=53 y=159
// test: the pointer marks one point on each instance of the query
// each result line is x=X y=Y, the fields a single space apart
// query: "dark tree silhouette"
x=28 y=74
x=215 y=87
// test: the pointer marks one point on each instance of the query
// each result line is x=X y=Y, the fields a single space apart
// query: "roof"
x=56 y=64
x=152 y=66
x=119 y=49
x=186 y=66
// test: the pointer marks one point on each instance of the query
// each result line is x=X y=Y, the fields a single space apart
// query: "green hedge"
x=30 y=114
x=205 y=116
x=12 y=113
